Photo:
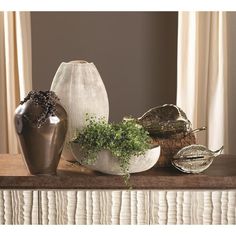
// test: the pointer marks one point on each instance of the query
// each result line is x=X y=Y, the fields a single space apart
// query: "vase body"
x=81 y=91
x=41 y=146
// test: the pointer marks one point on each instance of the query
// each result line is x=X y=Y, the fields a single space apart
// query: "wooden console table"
x=77 y=195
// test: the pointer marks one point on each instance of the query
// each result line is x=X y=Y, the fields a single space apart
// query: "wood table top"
x=14 y=175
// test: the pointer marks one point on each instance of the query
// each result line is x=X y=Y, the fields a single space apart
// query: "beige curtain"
x=202 y=74
x=15 y=72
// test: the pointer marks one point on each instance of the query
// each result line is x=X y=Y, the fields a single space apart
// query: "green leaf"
x=123 y=139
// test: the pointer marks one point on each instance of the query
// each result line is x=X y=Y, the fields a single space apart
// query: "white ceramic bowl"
x=106 y=163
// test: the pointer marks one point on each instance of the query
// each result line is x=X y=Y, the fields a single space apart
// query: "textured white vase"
x=80 y=88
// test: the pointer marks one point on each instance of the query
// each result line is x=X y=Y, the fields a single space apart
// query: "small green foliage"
x=124 y=139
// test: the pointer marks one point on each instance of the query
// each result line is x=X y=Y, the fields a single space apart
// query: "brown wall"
x=231 y=17
x=135 y=53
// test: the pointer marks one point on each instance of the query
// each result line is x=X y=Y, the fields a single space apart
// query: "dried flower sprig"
x=47 y=100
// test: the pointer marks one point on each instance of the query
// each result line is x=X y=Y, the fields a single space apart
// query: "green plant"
x=124 y=139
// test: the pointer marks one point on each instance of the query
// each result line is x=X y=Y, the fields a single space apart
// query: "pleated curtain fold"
x=202 y=81
x=15 y=72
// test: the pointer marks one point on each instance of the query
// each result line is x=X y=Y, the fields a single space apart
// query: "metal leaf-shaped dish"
x=194 y=158
x=165 y=121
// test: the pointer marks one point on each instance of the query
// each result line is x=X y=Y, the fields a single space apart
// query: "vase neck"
x=79 y=61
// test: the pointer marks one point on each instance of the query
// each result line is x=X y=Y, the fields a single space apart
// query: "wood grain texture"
x=95 y=207
x=18 y=207
x=138 y=207
x=220 y=175
x=80 y=196
x=117 y=207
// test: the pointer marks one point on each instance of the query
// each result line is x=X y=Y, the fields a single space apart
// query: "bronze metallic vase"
x=41 y=126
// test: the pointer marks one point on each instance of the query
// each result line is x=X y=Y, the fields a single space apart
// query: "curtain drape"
x=202 y=74
x=15 y=72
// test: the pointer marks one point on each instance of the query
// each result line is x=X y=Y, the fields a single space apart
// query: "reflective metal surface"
x=165 y=121
x=41 y=146
x=194 y=158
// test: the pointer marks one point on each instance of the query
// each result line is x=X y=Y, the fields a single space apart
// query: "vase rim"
x=78 y=62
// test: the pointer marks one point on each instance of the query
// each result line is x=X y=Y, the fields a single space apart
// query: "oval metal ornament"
x=165 y=121
x=194 y=158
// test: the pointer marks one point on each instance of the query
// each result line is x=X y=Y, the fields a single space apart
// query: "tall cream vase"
x=80 y=88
